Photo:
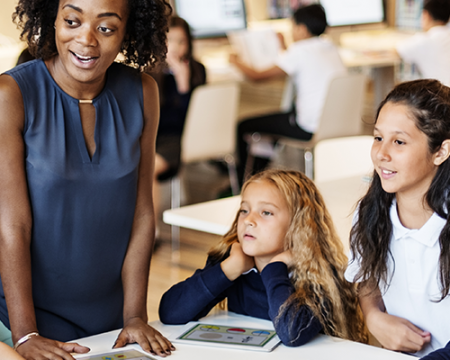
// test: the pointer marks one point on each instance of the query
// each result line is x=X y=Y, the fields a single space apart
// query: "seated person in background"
x=281 y=261
x=430 y=51
x=312 y=62
x=176 y=79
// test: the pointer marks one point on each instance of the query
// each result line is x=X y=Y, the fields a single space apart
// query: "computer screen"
x=211 y=18
x=353 y=12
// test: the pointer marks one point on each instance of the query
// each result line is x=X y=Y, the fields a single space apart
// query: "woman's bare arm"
x=15 y=213
x=136 y=266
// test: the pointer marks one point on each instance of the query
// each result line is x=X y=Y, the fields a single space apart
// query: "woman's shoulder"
x=11 y=101
x=30 y=73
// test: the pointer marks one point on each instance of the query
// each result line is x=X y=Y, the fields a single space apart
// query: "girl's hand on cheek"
x=285 y=256
x=237 y=263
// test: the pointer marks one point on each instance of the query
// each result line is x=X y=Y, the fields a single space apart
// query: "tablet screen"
x=228 y=335
x=119 y=355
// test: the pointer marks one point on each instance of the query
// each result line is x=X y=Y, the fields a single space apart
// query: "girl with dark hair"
x=400 y=237
x=281 y=260
x=176 y=79
x=77 y=138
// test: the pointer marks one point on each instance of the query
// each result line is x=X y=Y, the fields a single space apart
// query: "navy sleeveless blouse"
x=82 y=208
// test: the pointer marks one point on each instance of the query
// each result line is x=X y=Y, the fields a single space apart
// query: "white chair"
x=209 y=133
x=344 y=157
x=341 y=116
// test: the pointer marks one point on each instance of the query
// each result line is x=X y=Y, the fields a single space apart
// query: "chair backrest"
x=210 y=128
x=341 y=115
x=342 y=157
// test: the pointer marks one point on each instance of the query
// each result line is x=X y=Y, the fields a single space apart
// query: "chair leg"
x=232 y=173
x=309 y=163
x=175 y=202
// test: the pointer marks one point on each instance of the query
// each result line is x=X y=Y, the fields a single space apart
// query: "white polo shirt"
x=430 y=51
x=311 y=63
x=415 y=282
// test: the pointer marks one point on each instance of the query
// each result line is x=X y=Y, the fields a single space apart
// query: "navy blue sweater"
x=252 y=294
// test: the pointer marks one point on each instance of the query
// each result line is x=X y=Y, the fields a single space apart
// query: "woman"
x=77 y=141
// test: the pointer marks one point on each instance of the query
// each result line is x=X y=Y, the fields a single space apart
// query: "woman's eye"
x=71 y=22
x=104 y=29
x=377 y=138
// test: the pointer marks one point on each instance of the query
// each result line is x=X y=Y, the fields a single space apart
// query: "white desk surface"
x=321 y=348
x=213 y=217
x=216 y=216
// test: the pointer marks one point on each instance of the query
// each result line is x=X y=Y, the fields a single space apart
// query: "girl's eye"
x=399 y=142
x=242 y=211
x=267 y=213
x=377 y=138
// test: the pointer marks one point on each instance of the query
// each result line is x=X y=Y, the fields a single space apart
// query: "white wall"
x=7 y=27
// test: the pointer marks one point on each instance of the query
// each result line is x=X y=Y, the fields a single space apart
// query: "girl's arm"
x=15 y=230
x=253 y=74
x=136 y=265
x=194 y=297
x=393 y=332
x=8 y=353
x=295 y=326
x=440 y=354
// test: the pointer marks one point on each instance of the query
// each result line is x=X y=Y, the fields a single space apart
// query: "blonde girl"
x=281 y=261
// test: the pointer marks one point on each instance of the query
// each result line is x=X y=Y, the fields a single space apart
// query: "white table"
x=321 y=348
x=216 y=216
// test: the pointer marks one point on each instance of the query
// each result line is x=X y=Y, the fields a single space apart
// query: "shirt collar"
x=249 y=271
x=427 y=235
x=438 y=29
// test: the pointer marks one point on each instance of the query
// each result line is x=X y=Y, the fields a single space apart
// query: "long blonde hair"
x=320 y=262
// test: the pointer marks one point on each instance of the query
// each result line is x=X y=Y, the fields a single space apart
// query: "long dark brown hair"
x=429 y=104
x=320 y=261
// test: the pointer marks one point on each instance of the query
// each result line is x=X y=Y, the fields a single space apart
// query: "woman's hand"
x=285 y=256
x=40 y=348
x=181 y=72
x=237 y=263
x=149 y=339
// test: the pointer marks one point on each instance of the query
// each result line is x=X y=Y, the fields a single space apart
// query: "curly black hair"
x=145 y=39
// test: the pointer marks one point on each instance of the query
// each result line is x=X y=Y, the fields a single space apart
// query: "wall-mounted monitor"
x=212 y=18
x=353 y=12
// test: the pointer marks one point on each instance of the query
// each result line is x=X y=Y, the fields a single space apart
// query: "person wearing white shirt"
x=311 y=62
x=400 y=253
x=430 y=50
